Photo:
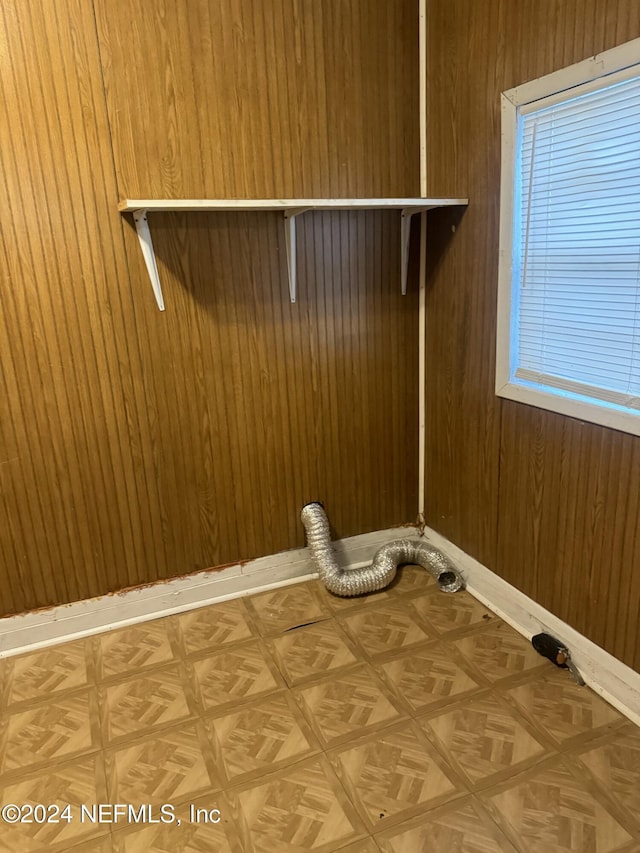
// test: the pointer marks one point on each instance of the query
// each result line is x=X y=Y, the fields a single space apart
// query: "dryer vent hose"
x=349 y=582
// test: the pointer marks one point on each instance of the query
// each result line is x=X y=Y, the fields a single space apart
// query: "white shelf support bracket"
x=146 y=244
x=290 y=239
x=405 y=237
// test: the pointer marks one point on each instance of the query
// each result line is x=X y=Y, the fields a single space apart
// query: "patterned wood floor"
x=403 y=722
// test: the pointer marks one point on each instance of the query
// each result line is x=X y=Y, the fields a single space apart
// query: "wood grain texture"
x=550 y=503
x=136 y=445
x=236 y=99
x=199 y=709
x=272 y=403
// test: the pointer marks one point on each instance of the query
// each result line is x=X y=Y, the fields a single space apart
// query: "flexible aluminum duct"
x=349 y=582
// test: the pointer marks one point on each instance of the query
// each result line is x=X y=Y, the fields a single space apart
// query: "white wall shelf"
x=291 y=208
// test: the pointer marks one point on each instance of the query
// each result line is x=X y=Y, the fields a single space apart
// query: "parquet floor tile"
x=464 y=828
x=210 y=628
x=43 y=673
x=51 y=731
x=484 y=739
x=499 y=652
x=301 y=808
x=408 y=721
x=280 y=609
x=451 y=612
x=428 y=676
x=166 y=768
x=548 y=810
x=562 y=709
x=73 y=784
x=261 y=737
x=132 y=649
x=234 y=675
x=138 y=705
x=393 y=775
x=313 y=651
x=185 y=835
x=385 y=628
x=347 y=705
x=614 y=765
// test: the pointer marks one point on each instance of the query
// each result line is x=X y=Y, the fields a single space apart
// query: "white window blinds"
x=576 y=294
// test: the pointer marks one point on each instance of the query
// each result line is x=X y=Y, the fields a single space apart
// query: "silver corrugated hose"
x=349 y=582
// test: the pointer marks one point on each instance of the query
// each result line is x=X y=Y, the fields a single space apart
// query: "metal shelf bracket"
x=291 y=209
x=405 y=237
x=290 y=239
x=146 y=244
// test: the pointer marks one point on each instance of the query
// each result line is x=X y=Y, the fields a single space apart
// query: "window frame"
x=617 y=64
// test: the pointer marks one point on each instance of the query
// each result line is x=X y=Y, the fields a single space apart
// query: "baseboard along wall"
x=617 y=683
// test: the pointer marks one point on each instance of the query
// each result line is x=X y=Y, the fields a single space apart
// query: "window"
x=569 y=289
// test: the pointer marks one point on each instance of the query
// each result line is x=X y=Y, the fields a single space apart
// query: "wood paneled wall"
x=137 y=445
x=280 y=98
x=549 y=503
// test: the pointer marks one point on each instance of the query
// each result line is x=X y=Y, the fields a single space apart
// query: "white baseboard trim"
x=41 y=628
x=617 y=683
x=613 y=680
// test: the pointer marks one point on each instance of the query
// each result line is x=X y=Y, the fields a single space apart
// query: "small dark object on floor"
x=553 y=649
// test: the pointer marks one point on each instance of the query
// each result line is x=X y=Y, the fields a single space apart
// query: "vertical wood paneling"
x=462 y=416
x=66 y=407
x=297 y=395
x=237 y=99
x=550 y=503
x=137 y=445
